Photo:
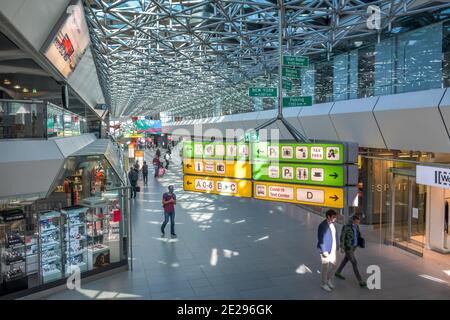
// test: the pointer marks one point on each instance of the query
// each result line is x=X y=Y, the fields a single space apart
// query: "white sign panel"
x=206 y=185
x=226 y=186
x=311 y=195
x=433 y=176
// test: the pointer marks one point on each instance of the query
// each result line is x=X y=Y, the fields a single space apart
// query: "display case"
x=97 y=223
x=32 y=248
x=50 y=246
x=12 y=250
x=75 y=238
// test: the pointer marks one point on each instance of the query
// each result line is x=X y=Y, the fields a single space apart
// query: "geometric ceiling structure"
x=167 y=55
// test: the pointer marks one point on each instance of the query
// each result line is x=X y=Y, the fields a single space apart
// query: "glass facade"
x=392 y=201
x=26 y=120
x=21 y=120
x=400 y=62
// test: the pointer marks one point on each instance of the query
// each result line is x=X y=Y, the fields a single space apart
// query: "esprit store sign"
x=433 y=176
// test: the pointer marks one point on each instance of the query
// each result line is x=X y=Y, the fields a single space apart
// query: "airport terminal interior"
x=224 y=149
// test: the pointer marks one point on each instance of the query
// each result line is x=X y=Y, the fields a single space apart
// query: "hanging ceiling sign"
x=290 y=73
x=294 y=61
x=222 y=186
x=218 y=168
x=309 y=195
x=263 y=92
x=300 y=101
x=286 y=85
x=310 y=174
x=326 y=153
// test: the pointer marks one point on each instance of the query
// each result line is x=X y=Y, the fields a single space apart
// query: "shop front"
x=399 y=205
x=82 y=224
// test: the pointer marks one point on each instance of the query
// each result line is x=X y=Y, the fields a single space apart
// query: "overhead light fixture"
x=34 y=91
x=7 y=81
x=358 y=43
x=25 y=90
x=16 y=86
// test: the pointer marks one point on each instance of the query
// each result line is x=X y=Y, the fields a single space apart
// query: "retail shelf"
x=75 y=225
x=50 y=244
x=49 y=230
x=50 y=259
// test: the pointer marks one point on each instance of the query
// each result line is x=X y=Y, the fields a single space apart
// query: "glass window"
x=340 y=77
x=21 y=120
x=384 y=66
x=366 y=67
x=419 y=63
x=324 y=82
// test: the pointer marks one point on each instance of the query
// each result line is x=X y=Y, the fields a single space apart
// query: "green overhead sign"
x=263 y=92
x=306 y=153
x=290 y=73
x=303 y=101
x=295 y=61
x=310 y=174
x=286 y=85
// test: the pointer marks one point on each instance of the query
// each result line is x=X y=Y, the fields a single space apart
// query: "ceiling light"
x=358 y=43
x=6 y=81
x=25 y=90
x=34 y=91
x=16 y=86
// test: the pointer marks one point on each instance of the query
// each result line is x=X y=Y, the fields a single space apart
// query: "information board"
x=218 y=168
x=222 y=186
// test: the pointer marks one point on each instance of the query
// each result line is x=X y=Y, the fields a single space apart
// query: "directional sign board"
x=295 y=61
x=218 y=168
x=326 y=153
x=311 y=174
x=216 y=150
x=286 y=84
x=301 y=101
x=222 y=186
x=309 y=195
x=263 y=92
x=290 y=73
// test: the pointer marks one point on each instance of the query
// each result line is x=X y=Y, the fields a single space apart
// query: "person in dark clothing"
x=350 y=236
x=158 y=153
x=133 y=177
x=156 y=165
x=169 y=201
x=145 y=172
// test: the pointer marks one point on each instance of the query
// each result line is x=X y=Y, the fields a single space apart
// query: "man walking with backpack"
x=350 y=240
x=169 y=200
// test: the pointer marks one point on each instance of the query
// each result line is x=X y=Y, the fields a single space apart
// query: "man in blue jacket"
x=328 y=245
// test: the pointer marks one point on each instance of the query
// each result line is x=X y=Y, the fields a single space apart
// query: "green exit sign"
x=295 y=61
x=263 y=92
x=303 y=101
x=290 y=73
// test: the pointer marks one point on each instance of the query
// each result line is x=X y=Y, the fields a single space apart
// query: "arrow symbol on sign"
x=335 y=198
x=257 y=151
x=188 y=183
x=188 y=166
x=335 y=175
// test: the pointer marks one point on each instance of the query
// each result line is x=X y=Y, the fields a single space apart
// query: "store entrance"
x=408 y=212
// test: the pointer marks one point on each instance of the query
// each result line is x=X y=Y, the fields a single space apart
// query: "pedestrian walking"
x=328 y=245
x=169 y=200
x=350 y=240
x=145 y=172
x=167 y=158
x=156 y=165
x=133 y=178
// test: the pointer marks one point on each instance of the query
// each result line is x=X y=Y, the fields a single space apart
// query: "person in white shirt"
x=328 y=246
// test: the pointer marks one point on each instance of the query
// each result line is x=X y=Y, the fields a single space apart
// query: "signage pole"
x=281 y=17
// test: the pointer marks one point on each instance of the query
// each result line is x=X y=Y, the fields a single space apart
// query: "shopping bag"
x=137 y=188
x=161 y=172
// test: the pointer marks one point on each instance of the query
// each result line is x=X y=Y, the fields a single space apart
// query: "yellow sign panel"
x=218 y=168
x=222 y=186
x=310 y=195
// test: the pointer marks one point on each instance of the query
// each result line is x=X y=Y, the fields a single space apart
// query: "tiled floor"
x=232 y=248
